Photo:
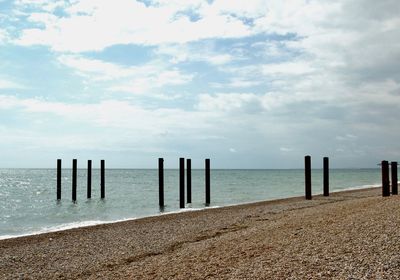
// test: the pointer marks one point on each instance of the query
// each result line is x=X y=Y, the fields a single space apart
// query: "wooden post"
x=74 y=176
x=89 y=179
x=326 y=176
x=182 y=183
x=189 y=180
x=208 y=181
x=161 y=182
x=385 y=178
x=102 y=179
x=58 y=179
x=307 y=165
x=394 y=177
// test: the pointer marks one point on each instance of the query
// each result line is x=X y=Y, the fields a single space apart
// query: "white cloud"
x=226 y=102
x=219 y=59
x=243 y=83
x=186 y=52
x=95 y=25
x=3 y=36
x=300 y=17
x=347 y=137
x=126 y=125
x=250 y=103
x=328 y=69
x=248 y=9
x=110 y=113
x=270 y=49
x=8 y=84
x=287 y=68
x=285 y=149
x=135 y=79
x=96 y=69
x=7 y=102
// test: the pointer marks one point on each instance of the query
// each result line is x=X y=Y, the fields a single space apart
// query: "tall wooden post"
x=89 y=179
x=74 y=179
x=385 y=178
x=307 y=167
x=58 y=179
x=326 y=176
x=208 y=181
x=161 y=182
x=182 y=183
x=102 y=179
x=394 y=178
x=189 y=180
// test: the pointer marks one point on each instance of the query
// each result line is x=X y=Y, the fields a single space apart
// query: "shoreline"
x=85 y=224
x=350 y=233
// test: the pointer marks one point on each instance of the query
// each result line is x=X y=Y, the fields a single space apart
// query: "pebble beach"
x=348 y=235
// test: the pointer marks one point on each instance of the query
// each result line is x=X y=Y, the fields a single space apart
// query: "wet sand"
x=349 y=235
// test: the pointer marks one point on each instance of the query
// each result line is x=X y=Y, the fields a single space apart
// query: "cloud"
x=206 y=52
x=3 y=36
x=133 y=79
x=8 y=84
x=108 y=113
x=96 y=25
x=347 y=137
x=226 y=102
x=311 y=72
x=271 y=49
x=287 y=68
x=96 y=69
x=8 y=102
x=243 y=83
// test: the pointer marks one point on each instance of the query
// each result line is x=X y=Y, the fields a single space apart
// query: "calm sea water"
x=28 y=202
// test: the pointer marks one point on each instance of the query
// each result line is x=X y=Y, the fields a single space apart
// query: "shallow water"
x=28 y=202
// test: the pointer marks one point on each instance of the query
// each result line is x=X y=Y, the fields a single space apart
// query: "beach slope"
x=349 y=235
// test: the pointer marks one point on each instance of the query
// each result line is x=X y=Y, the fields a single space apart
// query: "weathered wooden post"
x=74 y=179
x=394 y=177
x=161 y=182
x=326 y=176
x=182 y=183
x=385 y=178
x=307 y=165
x=58 y=179
x=102 y=179
x=89 y=179
x=189 y=180
x=208 y=181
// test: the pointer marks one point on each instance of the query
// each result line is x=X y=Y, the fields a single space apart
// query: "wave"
x=377 y=185
x=81 y=224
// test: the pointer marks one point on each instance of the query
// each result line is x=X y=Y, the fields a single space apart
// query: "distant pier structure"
x=388 y=172
x=75 y=179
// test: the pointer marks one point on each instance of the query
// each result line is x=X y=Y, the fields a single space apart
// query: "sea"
x=28 y=202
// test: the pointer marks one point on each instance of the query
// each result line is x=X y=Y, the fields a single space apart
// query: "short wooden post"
x=74 y=179
x=307 y=165
x=182 y=183
x=58 y=179
x=189 y=180
x=326 y=176
x=394 y=177
x=89 y=179
x=102 y=179
x=161 y=182
x=385 y=178
x=208 y=181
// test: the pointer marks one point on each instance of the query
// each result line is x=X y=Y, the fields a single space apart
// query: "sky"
x=247 y=83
